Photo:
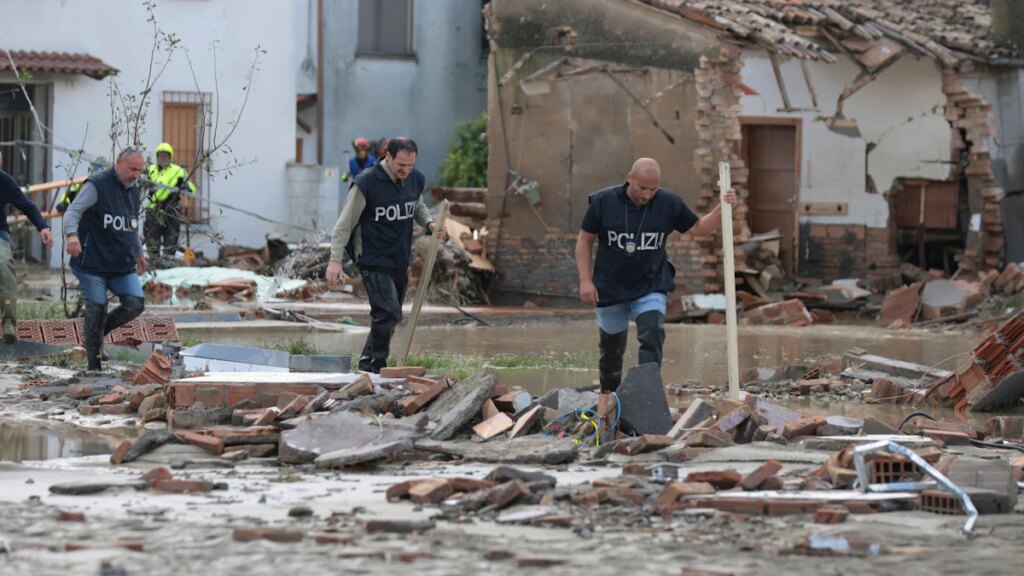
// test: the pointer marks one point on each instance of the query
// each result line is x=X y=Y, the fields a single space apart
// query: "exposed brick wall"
x=833 y=251
x=546 y=266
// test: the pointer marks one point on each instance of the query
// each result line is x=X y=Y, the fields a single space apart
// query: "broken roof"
x=947 y=30
x=57 y=62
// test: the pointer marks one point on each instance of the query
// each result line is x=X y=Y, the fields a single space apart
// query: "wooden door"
x=181 y=131
x=771 y=152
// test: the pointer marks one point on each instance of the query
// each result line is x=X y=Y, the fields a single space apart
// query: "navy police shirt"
x=631 y=260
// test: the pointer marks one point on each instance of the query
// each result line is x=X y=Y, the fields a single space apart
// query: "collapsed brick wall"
x=833 y=251
x=718 y=82
x=971 y=112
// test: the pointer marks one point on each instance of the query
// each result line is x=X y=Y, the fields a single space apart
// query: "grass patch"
x=300 y=347
x=41 y=311
x=464 y=365
x=189 y=341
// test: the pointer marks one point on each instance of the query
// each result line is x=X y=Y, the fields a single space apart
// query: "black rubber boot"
x=130 y=308
x=650 y=331
x=612 y=348
x=95 y=320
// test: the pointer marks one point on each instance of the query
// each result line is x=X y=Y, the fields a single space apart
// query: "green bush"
x=465 y=166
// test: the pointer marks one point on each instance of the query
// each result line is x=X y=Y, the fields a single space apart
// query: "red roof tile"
x=57 y=62
x=947 y=30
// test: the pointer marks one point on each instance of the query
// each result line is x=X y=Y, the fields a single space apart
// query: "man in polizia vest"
x=102 y=229
x=163 y=216
x=375 y=230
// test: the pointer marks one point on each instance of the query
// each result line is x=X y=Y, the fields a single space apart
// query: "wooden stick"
x=732 y=344
x=421 y=290
x=46 y=186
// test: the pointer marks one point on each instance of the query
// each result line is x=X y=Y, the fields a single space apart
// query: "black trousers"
x=386 y=290
x=163 y=227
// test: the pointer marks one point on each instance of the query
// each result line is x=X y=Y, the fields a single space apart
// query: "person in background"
x=10 y=193
x=361 y=161
x=163 y=213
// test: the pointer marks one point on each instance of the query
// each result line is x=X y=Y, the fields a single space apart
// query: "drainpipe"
x=320 y=82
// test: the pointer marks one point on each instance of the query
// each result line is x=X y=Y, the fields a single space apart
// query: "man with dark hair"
x=102 y=229
x=10 y=193
x=632 y=275
x=375 y=230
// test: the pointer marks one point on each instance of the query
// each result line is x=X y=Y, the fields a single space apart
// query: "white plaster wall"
x=116 y=31
x=901 y=112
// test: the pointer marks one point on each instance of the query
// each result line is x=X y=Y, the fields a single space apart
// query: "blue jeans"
x=94 y=288
x=615 y=319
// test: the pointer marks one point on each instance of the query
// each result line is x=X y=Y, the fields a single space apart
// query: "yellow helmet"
x=165 y=147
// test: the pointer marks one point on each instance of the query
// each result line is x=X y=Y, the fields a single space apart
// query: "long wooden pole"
x=421 y=289
x=732 y=343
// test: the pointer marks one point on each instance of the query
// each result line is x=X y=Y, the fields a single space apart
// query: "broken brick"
x=505 y=494
x=182 y=486
x=87 y=410
x=413 y=404
x=281 y=535
x=151 y=402
x=497 y=555
x=431 y=491
x=411 y=557
x=636 y=469
x=336 y=538
x=109 y=399
x=650 y=443
x=398 y=526
x=673 y=491
x=497 y=425
x=294 y=407
x=114 y=410
x=467 y=485
x=211 y=444
x=268 y=417
x=733 y=419
x=753 y=480
x=539 y=561
x=489 y=410
x=526 y=422
x=772 y=483
x=790 y=507
x=806 y=426
x=66 y=516
x=709 y=438
x=155 y=474
x=402 y=371
x=722 y=480
x=400 y=491
x=831 y=514
x=74 y=546
x=118 y=456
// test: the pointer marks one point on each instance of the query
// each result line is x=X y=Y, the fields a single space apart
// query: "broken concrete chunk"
x=146 y=443
x=566 y=399
x=525 y=450
x=362 y=454
x=756 y=478
x=340 y=431
x=841 y=426
x=721 y=480
x=643 y=402
x=697 y=412
x=458 y=405
x=86 y=488
x=398 y=526
x=503 y=474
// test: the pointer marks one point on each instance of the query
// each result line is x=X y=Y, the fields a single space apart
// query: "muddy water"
x=694 y=352
x=23 y=441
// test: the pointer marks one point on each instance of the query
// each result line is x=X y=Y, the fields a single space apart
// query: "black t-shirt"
x=631 y=261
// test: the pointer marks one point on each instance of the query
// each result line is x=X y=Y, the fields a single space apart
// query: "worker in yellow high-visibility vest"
x=163 y=217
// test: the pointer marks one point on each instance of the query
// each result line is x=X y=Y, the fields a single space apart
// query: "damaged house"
x=861 y=134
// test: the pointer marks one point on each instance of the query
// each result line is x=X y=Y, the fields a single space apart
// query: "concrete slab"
x=644 y=405
x=339 y=431
x=530 y=450
x=459 y=405
x=759 y=452
x=223 y=358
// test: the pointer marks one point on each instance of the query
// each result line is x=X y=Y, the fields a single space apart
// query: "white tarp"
x=266 y=287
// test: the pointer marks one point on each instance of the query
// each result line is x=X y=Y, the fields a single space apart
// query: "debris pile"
x=989 y=377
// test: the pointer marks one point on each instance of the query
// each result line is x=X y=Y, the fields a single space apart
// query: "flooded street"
x=22 y=441
x=692 y=352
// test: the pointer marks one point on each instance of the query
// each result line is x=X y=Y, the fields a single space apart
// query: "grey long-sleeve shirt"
x=86 y=199
x=348 y=223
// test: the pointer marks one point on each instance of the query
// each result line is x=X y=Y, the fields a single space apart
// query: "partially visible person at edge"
x=632 y=275
x=102 y=230
x=362 y=160
x=10 y=193
x=382 y=149
x=375 y=230
x=167 y=181
x=97 y=165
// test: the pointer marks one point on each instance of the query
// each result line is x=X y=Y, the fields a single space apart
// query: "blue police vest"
x=385 y=226
x=108 y=229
